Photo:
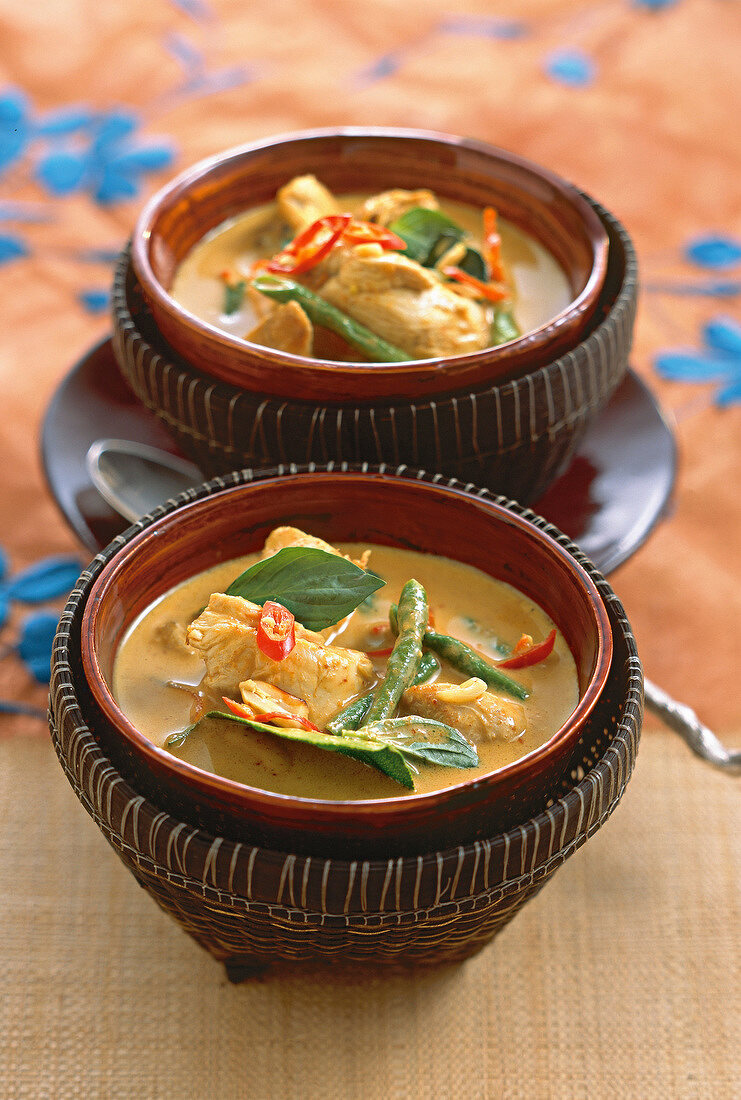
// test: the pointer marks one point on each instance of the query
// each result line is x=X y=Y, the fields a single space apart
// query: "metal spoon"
x=134 y=478
x=683 y=720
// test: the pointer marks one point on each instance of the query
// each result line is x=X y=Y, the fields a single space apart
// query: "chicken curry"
x=390 y=277
x=345 y=674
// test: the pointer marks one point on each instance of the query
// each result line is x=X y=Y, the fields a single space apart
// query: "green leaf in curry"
x=422 y=229
x=379 y=754
x=503 y=325
x=473 y=264
x=449 y=749
x=318 y=588
x=429 y=234
x=175 y=740
x=234 y=295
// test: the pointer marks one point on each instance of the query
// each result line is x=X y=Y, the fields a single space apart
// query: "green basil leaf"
x=503 y=326
x=444 y=242
x=377 y=754
x=451 y=750
x=421 y=229
x=234 y=296
x=317 y=587
x=473 y=264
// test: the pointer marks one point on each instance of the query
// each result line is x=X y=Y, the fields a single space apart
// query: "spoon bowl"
x=133 y=478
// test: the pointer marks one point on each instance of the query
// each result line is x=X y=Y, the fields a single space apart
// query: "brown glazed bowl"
x=317 y=896
x=368 y=159
x=514 y=437
x=344 y=506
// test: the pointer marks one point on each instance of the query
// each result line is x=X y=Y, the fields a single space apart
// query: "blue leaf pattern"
x=718 y=360
x=78 y=149
x=654 y=5
x=723 y=334
x=14 y=126
x=95 y=301
x=6 y=707
x=714 y=251
x=485 y=27
x=12 y=247
x=46 y=580
x=35 y=643
x=571 y=67
x=62 y=173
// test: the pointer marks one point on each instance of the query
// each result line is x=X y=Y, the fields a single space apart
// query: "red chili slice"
x=276 y=630
x=269 y=718
x=310 y=246
x=358 y=232
x=301 y=723
x=495 y=292
x=531 y=656
x=380 y=652
x=493 y=242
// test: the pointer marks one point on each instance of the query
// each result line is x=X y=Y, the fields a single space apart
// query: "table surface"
x=103 y=995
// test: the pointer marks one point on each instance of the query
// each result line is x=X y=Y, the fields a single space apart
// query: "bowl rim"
x=331 y=371
x=255 y=798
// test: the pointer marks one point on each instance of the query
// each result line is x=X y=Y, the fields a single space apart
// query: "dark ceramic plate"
x=609 y=499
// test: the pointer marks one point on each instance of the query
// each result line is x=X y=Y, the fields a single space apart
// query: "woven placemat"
x=621 y=979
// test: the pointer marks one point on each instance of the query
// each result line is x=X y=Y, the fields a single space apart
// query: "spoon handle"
x=683 y=720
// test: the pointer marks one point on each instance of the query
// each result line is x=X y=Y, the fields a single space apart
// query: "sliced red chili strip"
x=495 y=292
x=276 y=630
x=493 y=242
x=380 y=652
x=239 y=709
x=358 y=232
x=269 y=718
x=310 y=246
x=272 y=717
x=532 y=656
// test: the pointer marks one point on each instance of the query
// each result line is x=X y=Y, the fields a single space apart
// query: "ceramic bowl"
x=515 y=437
x=250 y=902
x=353 y=160
x=345 y=506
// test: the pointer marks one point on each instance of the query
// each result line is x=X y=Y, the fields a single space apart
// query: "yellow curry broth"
x=465 y=603
x=540 y=287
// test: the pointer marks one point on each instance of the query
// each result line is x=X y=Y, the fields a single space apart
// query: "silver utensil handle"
x=683 y=720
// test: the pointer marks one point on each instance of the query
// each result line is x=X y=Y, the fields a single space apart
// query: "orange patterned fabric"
x=616 y=962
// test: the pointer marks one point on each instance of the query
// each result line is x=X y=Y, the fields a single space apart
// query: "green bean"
x=324 y=313
x=351 y=716
x=428 y=666
x=465 y=659
x=403 y=663
x=503 y=326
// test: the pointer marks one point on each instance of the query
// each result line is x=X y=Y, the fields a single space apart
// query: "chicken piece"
x=281 y=537
x=304 y=199
x=262 y=698
x=390 y=205
x=286 y=328
x=479 y=715
x=406 y=304
x=326 y=677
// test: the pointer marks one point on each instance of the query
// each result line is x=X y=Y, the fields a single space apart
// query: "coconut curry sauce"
x=159 y=680
x=414 y=297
